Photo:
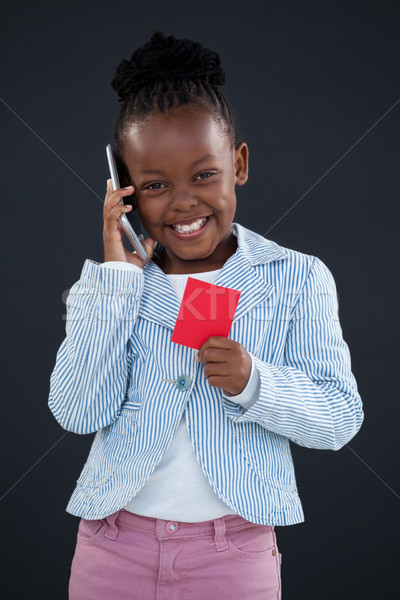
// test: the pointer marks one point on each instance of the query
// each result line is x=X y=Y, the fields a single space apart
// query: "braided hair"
x=166 y=73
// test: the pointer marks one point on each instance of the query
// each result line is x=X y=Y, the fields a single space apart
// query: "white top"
x=178 y=489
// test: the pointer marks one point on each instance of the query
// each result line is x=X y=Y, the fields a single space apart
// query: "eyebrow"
x=196 y=162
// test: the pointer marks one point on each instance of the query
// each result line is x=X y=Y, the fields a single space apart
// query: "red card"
x=206 y=310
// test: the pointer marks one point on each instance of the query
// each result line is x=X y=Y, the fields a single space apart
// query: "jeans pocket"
x=90 y=530
x=252 y=542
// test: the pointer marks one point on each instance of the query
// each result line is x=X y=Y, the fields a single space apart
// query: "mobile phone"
x=127 y=227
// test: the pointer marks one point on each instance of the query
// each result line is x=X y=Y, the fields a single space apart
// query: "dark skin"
x=227 y=364
x=171 y=144
x=180 y=190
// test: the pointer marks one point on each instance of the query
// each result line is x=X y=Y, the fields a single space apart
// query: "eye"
x=206 y=173
x=149 y=187
x=157 y=183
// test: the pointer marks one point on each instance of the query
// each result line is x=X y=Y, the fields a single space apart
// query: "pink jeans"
x=131 y=557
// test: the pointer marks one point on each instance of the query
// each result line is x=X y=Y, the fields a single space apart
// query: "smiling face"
x=183 y=167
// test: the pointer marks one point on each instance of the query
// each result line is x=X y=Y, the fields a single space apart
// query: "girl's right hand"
x=113 y=232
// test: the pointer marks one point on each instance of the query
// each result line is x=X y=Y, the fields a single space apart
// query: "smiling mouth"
x=192 y=227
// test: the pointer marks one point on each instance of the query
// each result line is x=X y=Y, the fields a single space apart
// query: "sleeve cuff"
x=250 y=394
x=264 y=399
x=112 y=280
x=122 y=266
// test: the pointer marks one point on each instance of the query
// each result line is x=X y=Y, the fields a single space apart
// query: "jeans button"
x=171 y=526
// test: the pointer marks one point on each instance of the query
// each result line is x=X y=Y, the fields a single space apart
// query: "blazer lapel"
x=239 y=275
x=159 y=302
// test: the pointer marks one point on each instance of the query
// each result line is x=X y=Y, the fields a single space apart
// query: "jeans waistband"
x=163 y=528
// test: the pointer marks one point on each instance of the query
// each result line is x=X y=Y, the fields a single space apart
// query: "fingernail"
x=196 y=358
x=128 y=187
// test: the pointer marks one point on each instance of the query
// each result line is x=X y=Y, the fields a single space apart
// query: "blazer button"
x=183 y=382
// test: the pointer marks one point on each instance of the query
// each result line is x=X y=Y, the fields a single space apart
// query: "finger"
x=218 y=370
x=149 y=247
x=219 y=381
x=114 y=196
x=119 y=209
x=110 y=187
x=215 y=355
x=115 y=207
x=216 y=342
x=119 y=196
x=109 y=191
x=115 y=214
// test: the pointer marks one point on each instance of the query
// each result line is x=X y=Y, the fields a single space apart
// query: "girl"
x=190 y=469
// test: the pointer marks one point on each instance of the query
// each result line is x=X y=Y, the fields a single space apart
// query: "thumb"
x=149 y=246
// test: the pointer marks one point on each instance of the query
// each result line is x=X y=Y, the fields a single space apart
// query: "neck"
x=172 y=265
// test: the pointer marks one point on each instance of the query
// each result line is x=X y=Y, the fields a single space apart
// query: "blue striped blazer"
x=111 y=370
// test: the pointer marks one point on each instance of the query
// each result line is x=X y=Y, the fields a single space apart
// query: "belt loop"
x=112 y=529
x=219 y=537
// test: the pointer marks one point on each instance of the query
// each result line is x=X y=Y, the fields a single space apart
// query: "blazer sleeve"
x=90 y=378
x=312 y=399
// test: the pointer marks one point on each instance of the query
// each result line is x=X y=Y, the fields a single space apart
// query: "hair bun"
x=167 y=58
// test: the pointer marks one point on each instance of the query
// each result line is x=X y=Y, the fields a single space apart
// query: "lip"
x=187 y=221
x=195 y=234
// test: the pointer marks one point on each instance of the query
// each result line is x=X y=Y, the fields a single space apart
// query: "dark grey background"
x=308 y=80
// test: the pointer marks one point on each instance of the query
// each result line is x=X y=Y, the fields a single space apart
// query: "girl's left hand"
x=227 y=364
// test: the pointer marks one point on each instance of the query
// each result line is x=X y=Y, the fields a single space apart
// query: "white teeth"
x=190 y=228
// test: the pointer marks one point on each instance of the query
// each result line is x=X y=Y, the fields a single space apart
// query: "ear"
x=241 y=163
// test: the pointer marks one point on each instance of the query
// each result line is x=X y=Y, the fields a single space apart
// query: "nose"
x=183 y=200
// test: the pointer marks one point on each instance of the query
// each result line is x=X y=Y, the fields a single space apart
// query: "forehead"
x=184 y=135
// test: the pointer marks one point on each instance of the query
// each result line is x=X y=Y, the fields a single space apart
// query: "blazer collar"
x=160 y=304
